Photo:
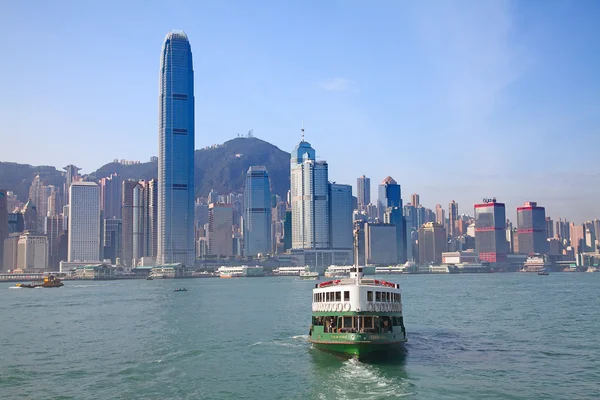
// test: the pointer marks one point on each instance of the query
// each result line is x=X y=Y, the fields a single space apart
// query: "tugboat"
x=357 y=317
x=49 y=282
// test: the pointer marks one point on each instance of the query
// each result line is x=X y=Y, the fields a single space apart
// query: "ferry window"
x=387 y=295
x=346 y=295
x=377 y=296
x=328 y=296
x=397 y=297
x=347 y=322
x=369 y=295
x=367 y=322
x=338 y=296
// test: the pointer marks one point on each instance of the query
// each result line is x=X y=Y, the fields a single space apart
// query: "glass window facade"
x=175 y=242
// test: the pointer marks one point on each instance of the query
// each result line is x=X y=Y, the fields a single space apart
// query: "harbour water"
x=480 y=336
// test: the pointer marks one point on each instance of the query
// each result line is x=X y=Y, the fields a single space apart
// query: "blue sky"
x=455 y=100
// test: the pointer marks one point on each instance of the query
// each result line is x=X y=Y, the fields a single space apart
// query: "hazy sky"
x=454 y=100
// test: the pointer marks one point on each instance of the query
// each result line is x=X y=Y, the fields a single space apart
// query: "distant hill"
x=18 y=177
x=222 y=168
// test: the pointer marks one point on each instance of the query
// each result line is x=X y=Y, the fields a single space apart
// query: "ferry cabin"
x=373 y=310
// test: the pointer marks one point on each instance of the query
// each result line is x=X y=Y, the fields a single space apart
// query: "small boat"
x=180 y=290
x=150 y=278
x=543 y=273
x=309 y=275
x=49 y=282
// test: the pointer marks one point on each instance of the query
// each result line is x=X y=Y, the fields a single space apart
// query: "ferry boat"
x=307 y=274
x=592 y=269
x=49 y=282
x=239 y=272
x=357 y=317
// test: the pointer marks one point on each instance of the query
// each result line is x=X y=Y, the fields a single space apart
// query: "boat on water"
x=180 y=290
x=49 y=281
x=307 y=274
x=543 y=272
x=592 y=269
x=357 y=317
x=150 y=278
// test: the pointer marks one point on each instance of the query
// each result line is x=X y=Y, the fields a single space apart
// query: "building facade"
x=452 y=218
x=363 y=192
x=490 y=231
x=340 y=213
x=32 y=253
x=175 y=241
x=3 y=222
x=309 y=199
x=111 y=196
x=531 y=229
x=380 y=244
x=257 y=212
x=432 y=243
x=220 y=223
x=84 y=222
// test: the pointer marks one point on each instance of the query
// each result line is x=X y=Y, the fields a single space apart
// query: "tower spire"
x=302 y=131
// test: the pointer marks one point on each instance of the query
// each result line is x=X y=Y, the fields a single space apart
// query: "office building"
x=175 y=242
x=531 y=228
x=71 y=175
x=220 y=223
x=257 y=212
x=380 y=244
x=432 y=243
x=363 y=192
x=310 y=199
x=112 y=240
x=111 y=196
x=151 y=217
x=414 y=199
x=16 y=223
x=577 y=235
x=549 y=228
x=32 y=253
x=10 y=250
x=3 y=222
x=30 y=217
x=490 y=232
x=52 y=229
x=390 y=200
x=84 y=222
x=340 y=213
x=129 y=204
x=439 y=215
x=452 y=218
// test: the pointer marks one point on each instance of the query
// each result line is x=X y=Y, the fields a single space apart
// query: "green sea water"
x=480 y=336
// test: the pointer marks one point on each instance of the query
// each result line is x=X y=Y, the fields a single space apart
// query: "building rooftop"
x=389 y=181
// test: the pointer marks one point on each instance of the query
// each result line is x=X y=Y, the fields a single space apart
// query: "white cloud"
x=338 y=85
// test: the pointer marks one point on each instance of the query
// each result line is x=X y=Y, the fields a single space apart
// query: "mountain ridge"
x=220 y=167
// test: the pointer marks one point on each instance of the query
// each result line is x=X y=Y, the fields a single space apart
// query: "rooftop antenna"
x=302 y=131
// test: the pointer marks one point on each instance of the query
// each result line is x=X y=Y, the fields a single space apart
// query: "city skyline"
x=486 y=83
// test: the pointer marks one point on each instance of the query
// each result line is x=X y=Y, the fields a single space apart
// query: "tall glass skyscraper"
x=257 y=212
x=309 y=198
x=176 y=152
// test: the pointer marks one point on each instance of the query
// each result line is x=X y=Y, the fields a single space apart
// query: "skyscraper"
x=128 y=206
x=363 y=191
x=389 y=203
x=3 y=223
x=414 y=199
x=490 y=231
x=151 y=204
x=439 y=215
x=220 y=222
x=531 y=228
x=549 y=228
x=110 y=196
x=452 y=217
x=71 y=174
x=340 y=213
x=432 y=243
x=257 y=212
x=84 y=222
x=309 y=198
x=175 y=243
